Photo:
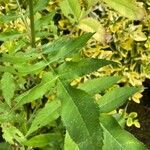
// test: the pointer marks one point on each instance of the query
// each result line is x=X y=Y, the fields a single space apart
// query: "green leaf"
x=13 y=47
x=9 y=69
x=40 y=5
x=84 y=131
x=116 y=138
x=5 y=113
x=25 y=69
x=69 y=143
x=89 y=24
x=71 y=9
x=4 y=107
x=4 y=146
x=44 y=21
x=9 y=17
x=127 y=8
x=64 y=47
x=46 y=115
x=18 y=58
x=10 y=35
x=98 y=85
x=8 y=87
x=11 y=133
x=43 y=140
x=36 y=92
x=115 y=98
x=7 y=117
x=147 y=69
x=80 y=116
x=82 y=67
x=90 y=3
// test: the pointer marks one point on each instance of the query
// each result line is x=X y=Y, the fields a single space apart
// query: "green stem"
x=30 y=2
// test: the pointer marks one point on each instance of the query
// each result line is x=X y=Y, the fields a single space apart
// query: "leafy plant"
x=122 y=39
x=39 y=106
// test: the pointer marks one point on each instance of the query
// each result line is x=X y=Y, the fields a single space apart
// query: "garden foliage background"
x=117 y=38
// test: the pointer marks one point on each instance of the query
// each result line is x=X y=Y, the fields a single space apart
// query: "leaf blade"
x=36 y=92
x=127 y=8
x=83 y=128
x=117 y=138
x=65 y=47
x=69 y=143
x=45 y=116
x=98 y=85
x=71 y=9
x=8 y=87
x=92 y=25
x=10 y=35
x=82 y=67
x=115 y=98
x=42 y=140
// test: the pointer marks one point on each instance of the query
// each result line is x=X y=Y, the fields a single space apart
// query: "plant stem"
x=30 y=2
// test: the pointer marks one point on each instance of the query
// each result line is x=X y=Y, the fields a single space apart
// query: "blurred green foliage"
x=120 y=34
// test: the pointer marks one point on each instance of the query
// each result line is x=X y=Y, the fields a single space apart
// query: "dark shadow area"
x=143 y=110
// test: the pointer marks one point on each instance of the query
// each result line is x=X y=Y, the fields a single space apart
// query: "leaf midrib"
x=112 y=136
x=75 y=106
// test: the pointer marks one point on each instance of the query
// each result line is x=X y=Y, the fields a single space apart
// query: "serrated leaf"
x=80 y=116
x=127 y=8
x=71 y=9
x=92 y=25
x=9 y=17
x=81 y=121
x=18 y=58
x=3 y=107
x=82 y=67
x=7 y=117
x=40 y=5
x=44 y=21
x=11 y=133
x=5 y=114
x=8 y=87
x=12 y=47
x=115 y=98
x=9 y=69
x=10 y=35
x=65 y=47
x=25 y=69
x=98 y=85
x=43 y=140
x=69 y=143
x=46 y=115
x=116 y=138
x=36 y=92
